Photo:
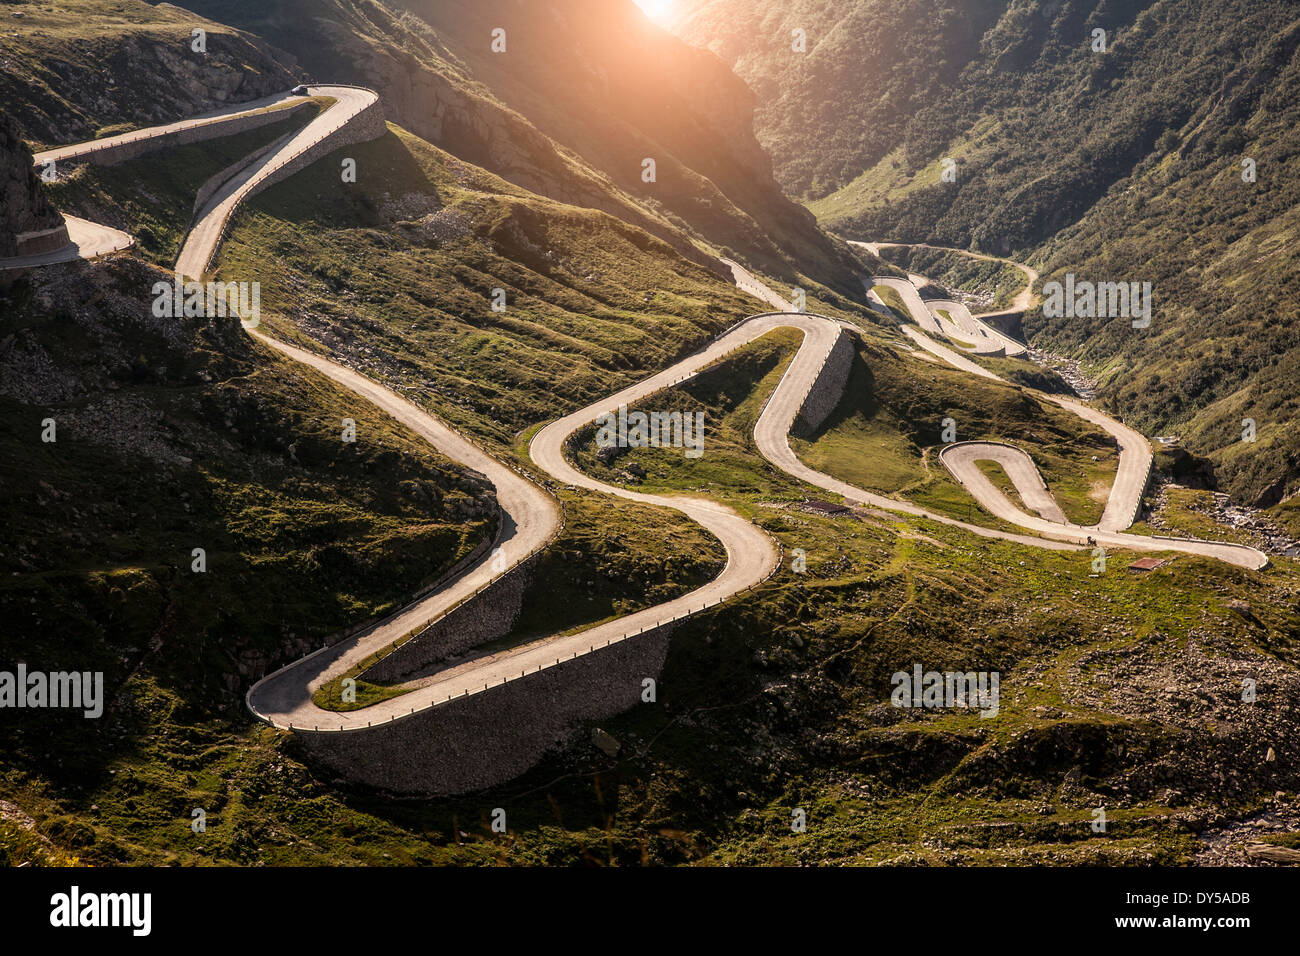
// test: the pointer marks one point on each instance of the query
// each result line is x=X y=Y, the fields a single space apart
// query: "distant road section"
x=88 y=240
x=1027 y=298
x=963 y=327
x=1122 y=506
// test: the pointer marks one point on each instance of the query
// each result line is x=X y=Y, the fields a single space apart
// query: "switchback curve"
x=530 y=515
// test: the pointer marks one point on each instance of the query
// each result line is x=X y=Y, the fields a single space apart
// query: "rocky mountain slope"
x=23 y=206
x=72 y=71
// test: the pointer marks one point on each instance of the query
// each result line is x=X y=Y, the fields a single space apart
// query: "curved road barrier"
x=86 y=240
x=356 y=116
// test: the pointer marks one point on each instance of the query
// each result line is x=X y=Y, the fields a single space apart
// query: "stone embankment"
x=119 y=149
x=828 y=388
x=493 y=736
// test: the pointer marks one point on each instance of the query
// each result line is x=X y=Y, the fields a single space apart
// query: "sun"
x=658 y=10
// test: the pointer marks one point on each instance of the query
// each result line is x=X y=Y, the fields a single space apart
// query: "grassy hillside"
x=584 y=93
x=782 y=702
x=590 y=302
x=1124 y=165
x=78 y=69
x=173 y=435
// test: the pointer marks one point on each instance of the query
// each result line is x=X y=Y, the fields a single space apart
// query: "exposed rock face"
x=23 y=207
x=139 y=80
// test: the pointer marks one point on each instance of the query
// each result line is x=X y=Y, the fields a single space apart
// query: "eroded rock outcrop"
x=27 y=219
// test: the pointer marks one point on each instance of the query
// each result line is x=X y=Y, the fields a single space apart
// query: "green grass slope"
x=781 y=703
x=397 y=272
x=1118 y=165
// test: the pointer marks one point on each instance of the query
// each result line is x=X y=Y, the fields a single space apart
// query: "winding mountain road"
x=284 y=699
x=1124 y=501
x=205 y=235
x=86 y=240
x=214 y=119
x=90 y=240
x=964 y=327
x=530 y=516
x=1026 y=298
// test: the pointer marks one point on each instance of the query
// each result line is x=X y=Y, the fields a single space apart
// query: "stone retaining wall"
x=112 y=155
x=46 y=240
x=367 y=125
x=827 y=391
x=486 y=616
x=1008 y=323
x=495 y=735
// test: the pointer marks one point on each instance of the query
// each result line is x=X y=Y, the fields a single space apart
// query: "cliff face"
x=71 y=71
x=23 y=207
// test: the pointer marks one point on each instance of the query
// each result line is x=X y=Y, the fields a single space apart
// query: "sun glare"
x=660 y=10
